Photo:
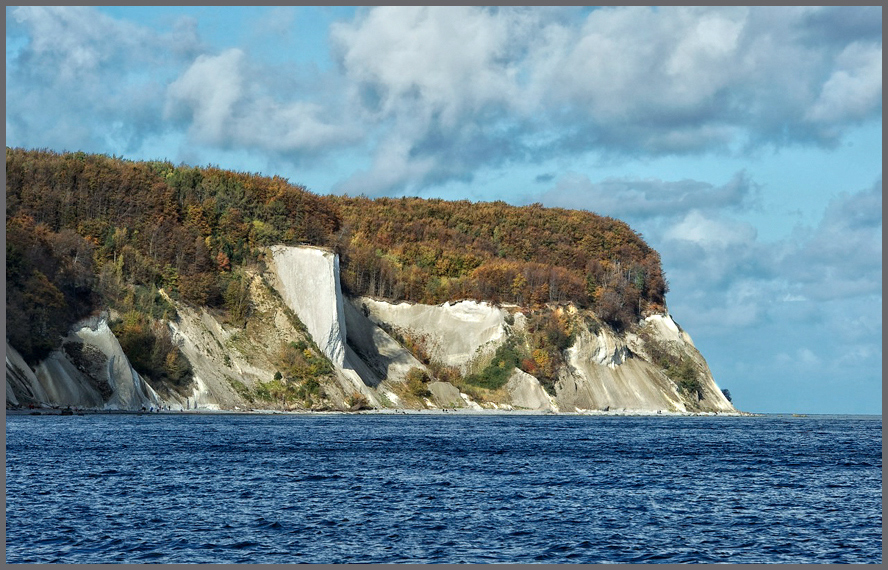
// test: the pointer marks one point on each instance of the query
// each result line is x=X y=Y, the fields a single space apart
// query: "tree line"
x=433 y=251
x=87 y=230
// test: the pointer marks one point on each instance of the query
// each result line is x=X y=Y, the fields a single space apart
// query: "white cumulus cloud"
x=435 y=94
x=522 y=84
x=209 y=89
x=220 y=100
x=854 y=89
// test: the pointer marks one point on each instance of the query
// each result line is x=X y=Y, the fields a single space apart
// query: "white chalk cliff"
x=308 y=280
x=90 y=371
x=455 y=332
x=231 y=364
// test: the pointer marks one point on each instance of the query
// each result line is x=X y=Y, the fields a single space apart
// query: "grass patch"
x=241 y=389
x=497 y=372
x=289 y=393
x=678 y=367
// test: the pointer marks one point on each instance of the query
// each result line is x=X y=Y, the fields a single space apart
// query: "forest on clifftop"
x=86 y=231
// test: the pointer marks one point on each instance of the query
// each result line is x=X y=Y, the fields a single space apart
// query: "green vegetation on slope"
x=678 y=367
x=498 y=370
x=433 y=251
x=149 y=348
x=87 y=231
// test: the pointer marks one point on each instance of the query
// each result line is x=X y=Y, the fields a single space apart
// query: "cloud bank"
x=433 y=94
x=459 y=87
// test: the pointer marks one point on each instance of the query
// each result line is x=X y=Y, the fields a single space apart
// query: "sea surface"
x=443 y=489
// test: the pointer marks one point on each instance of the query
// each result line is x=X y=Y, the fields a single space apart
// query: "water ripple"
x=440 y=489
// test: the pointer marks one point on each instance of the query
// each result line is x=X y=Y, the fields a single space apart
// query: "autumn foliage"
x=85 y=231
x=433 y=251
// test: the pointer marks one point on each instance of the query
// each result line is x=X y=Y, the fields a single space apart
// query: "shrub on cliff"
x=357 y=402
x=150 y=349
x=301 y=361
x=497 y=372
x=417 y=381
x=687 y=379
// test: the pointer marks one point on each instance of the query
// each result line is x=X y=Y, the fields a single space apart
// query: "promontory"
x=146 y=285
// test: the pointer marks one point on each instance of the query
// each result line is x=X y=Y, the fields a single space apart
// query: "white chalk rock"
x=308 y=281
x=98 y=367
x=446 y=395
x=667 y=329
x=130 y=392
x=307 y=278
x=455 y=333
x=21 y=380
x=526 y=392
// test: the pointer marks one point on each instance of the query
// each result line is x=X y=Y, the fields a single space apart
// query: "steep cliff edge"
x=89 y=371
x=636 y=371
x=267 y=362
x=656 y=368
x=305 y=345
x=447 y=303
x=307 y=278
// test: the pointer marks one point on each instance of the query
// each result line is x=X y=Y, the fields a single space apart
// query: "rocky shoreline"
x=384 y=412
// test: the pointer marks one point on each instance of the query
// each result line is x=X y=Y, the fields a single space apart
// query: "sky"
x=743 y=143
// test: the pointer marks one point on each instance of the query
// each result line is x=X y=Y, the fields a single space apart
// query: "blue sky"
x=744 y=144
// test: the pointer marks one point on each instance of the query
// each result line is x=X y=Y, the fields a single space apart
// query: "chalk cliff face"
x=89 y=371
x=22 y=385
x=610 y=371
x=308 y=280
x=455 y=332
x=298 y=301
x=605 y=370
x=236 y=367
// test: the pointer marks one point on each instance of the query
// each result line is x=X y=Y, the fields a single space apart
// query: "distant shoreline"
x=382 y=412
x=431 y=412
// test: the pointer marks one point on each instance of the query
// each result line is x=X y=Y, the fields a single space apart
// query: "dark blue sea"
x=442 y=489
